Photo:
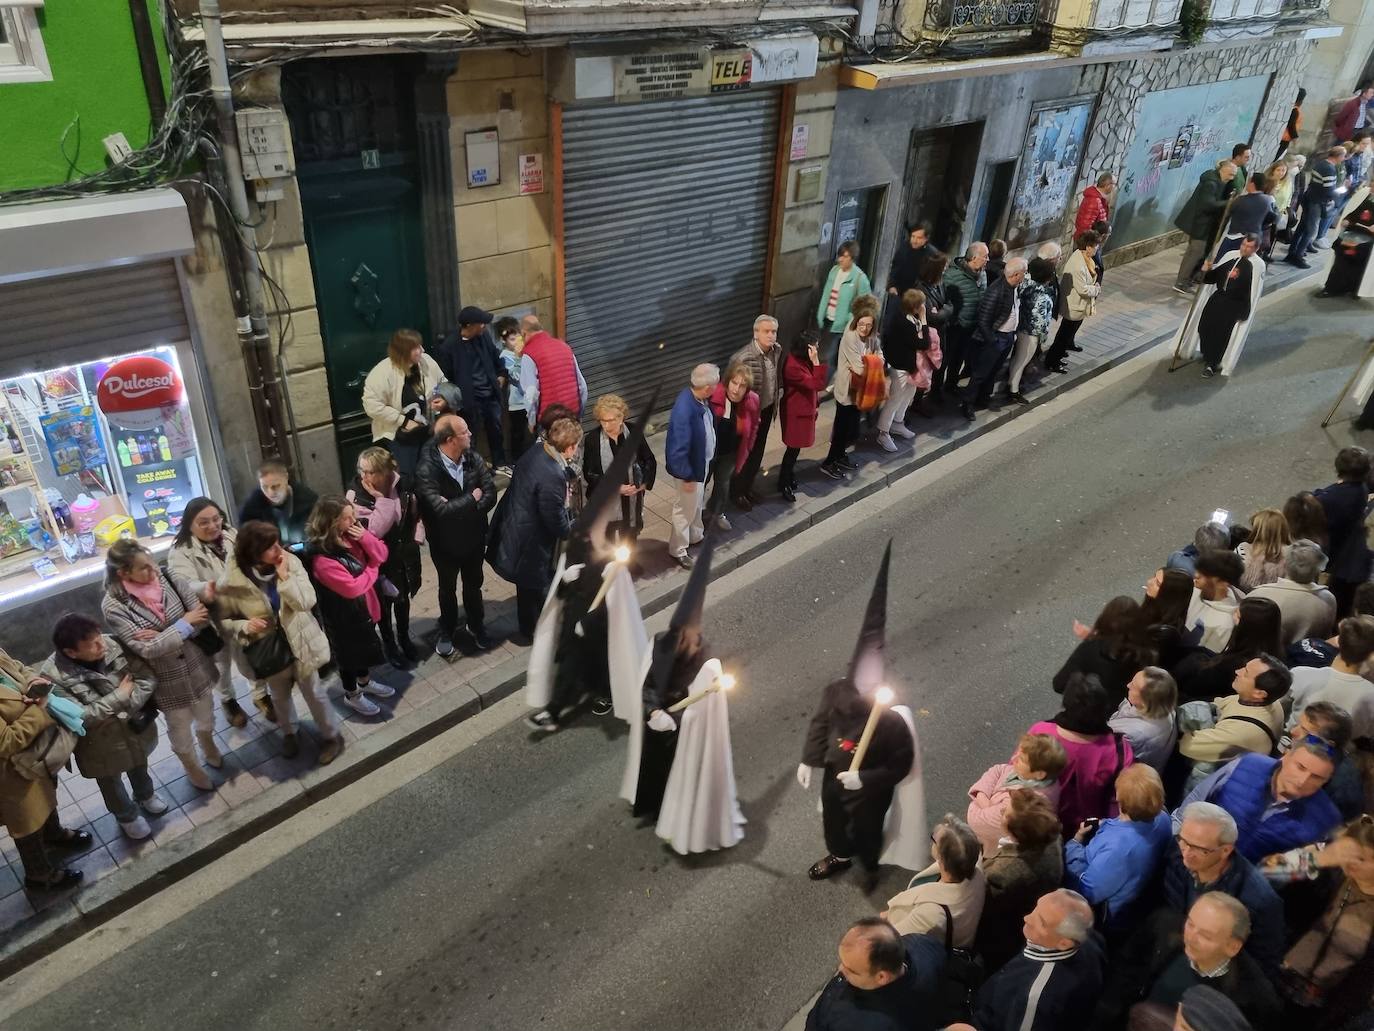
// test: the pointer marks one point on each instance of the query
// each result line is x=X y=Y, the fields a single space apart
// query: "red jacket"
x=1093 y=208
x=557 y=372
x=746 y=421
x=1346 y=117
x=802 y=383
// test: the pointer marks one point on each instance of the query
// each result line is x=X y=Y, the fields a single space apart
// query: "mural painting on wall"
x=1180 y=133
x=1048 y=171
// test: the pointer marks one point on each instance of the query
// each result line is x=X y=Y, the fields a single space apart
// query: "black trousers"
x=722 y=476
x=449 y=569
x=853 y=820
x=843 y=432
x=487 y=411
x=954 y=343
x=32 y=848
x=1068 y=329
x=518 y=422
x=398 y=610
x=529 y=602
x=787 y=472
x=743 y=482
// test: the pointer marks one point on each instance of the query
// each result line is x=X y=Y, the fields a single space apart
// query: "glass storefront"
x=90 y=453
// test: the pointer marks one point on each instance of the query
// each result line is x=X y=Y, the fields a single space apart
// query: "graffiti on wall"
x=1180 y=134
x=1048 y=170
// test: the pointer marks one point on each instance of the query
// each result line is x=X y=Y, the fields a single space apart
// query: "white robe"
x=700 y=811
x=1192 y=346
x=627 y=644
x=906 y=839
x=629 y=783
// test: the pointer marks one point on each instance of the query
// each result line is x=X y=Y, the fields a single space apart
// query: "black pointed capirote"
x=867 y=670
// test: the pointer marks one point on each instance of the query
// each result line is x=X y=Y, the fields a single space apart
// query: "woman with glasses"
x=384 y=500
x=613 y=429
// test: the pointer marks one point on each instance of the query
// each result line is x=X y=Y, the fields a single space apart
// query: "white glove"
x=849 y=779
x=804 y=776
x=573 y=572
x=661 y=721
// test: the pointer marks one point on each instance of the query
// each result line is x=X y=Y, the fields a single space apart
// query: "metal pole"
x=255 y=337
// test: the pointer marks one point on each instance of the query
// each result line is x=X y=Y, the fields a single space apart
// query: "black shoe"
x=966 y=410
x=831 y=470
x=408 y=648
x=828 y=867
x=743 y=503
x=601 y=706
x=1058 y=367
x=481 y=640
x=72 y=841
x=59 y=880
x=1019 y=398
x=685 y=561
x=393 y=655
x=542 y=721
x=1301 y=263
x=1074 y=347
x=290 y=746
x=788 y=495
x=846 y=462
x=233 y=711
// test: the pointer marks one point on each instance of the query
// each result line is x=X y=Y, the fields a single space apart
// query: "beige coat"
x=197 y=564
x=850 y=362
x=382 y=394
x=1081 y=296
x=26 y=800
x=238 y=600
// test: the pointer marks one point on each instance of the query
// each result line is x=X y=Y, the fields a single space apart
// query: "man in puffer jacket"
x=964 y=282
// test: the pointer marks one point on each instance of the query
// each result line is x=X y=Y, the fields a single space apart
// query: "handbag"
x=962 y=977
x=208 y=640
x=269 y=654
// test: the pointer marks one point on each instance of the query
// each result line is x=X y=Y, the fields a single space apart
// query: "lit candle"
x=622 y=555
x=724 y=682
x=881 y=698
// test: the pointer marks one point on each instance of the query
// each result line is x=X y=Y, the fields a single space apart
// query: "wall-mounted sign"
x=659 y=75
x=134 y=392
x=801 y=136
x=531 y=173
x=484 y=158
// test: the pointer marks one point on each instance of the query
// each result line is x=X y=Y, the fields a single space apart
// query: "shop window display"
x=91 y=453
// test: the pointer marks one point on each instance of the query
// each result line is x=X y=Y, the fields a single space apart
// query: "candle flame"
x=622 y=553
x=727 y=681
x=883 y=695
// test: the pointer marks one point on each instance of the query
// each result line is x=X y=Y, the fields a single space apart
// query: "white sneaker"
x=898 y=430
x=361 y=704
x=722 y=523
x=153 y=805
x=886 y=442
x=377 y=690
x=136 y=829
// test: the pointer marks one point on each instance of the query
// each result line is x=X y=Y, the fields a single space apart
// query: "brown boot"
x=210 y=750
x=194 y=772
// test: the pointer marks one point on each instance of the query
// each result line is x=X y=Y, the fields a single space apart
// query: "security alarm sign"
x=531 y=173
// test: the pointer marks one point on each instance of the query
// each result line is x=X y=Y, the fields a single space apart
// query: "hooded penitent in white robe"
x=629 y=783
x=700 y=812
x=906 y=839
x=1192 y=347
x=539 y=673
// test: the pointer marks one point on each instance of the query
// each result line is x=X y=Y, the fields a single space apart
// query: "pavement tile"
x=202 y=810
x=239 y=788
x=106 y=828
x=171 y=825
x=125 y=852
x=95 y=864
x=9 y=880
x=14 y=908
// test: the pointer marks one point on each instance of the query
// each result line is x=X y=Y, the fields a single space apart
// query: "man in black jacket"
x=456 y=492
x=1162 y=961
x=471 y=359
x=279 y=501
x=884 y=981
x=994 y=333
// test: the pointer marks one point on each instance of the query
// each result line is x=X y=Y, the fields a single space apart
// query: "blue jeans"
x=1312 y=215
x=985 y=362
x=117 y=799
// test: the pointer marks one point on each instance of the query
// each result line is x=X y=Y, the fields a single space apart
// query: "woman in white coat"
x=396 y=398
x=265 y=602
x=1079 y=292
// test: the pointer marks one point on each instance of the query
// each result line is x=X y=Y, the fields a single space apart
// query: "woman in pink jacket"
x=736 y=408
x=1035 y=766
x=345 y=561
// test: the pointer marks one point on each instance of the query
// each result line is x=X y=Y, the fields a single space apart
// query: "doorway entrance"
x=940 y=167
x=998 y=185
x=859 y=217
x=353 y=128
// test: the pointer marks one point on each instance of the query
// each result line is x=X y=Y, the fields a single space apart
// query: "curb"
x=111 y=896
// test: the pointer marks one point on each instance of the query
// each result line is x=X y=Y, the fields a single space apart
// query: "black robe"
x=1226 y=308
x=660 y=747
x=582 y=663
x=1352 y=250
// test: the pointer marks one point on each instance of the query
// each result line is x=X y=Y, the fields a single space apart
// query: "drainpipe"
x=146 y=45
x=263 y=383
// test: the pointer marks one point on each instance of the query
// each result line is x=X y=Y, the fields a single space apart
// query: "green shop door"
x=353 y=128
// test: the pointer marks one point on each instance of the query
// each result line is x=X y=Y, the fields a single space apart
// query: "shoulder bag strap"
x=949 y=927
x=1273 y=738
x=1117 y=736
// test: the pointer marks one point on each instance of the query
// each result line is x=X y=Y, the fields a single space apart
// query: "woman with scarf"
x=164 y=621
x=265 y=602
x=736 y=408
x=200 y=555
x=384 y=501
x=1325 y=975
x=396 y=397
x=35 y=744
x=854 y=369
x=612 y=414
x=1096 y=753
x=345 y=561
x=92 y=670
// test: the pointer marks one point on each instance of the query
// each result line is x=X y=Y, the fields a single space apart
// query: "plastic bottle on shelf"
x=123 y=451
x=164 y=447
x=134 y=457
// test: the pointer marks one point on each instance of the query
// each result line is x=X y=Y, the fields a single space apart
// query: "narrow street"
x=508 y=888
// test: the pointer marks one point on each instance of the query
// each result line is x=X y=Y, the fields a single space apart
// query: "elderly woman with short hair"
x=736 y=408
x=1028 y=863
x=612 y=414
x=1147 y=716
x=952 y=888
x=1306 y=608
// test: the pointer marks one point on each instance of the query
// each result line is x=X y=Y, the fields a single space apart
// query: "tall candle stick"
x=622 y=555
x=722 y=683
x=881 y=698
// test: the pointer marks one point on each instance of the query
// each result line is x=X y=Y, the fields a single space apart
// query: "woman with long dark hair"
x=345 y=560
x=803 y=378
x=1307 y=519
x=1258 y=631
x=1113 y=648
x=266 y=602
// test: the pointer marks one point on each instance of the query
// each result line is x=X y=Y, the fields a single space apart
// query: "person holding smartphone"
x=32 y=746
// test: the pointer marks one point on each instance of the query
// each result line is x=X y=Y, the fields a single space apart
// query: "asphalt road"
x=508 y=888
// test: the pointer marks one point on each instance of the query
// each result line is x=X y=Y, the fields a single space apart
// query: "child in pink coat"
x=1035 y=765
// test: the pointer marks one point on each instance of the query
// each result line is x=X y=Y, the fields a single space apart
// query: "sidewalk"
x=257 y=788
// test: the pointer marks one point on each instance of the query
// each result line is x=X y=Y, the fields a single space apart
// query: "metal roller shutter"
x=89 y=315
x=665 y=235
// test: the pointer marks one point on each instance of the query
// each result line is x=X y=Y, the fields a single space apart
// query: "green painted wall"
x=96 y=78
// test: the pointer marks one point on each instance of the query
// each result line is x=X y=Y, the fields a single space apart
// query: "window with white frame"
x=22 y=57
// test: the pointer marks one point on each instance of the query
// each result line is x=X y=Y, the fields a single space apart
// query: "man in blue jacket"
x=688 y=452
x=470 y=358
x=884 y=981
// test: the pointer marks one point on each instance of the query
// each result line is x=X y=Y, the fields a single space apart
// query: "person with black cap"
x=582 y=646
x=854 y=803
x=703 y=789
x=470 y=358
x=1203 y=1008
